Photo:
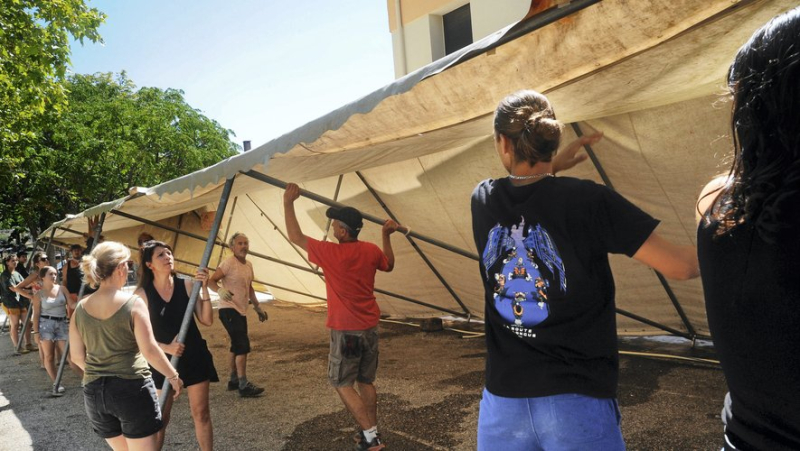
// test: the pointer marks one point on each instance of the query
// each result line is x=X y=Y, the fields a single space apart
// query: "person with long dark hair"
x=167 y=298
x=748 y=244
x=112 y=341
x=552 y=364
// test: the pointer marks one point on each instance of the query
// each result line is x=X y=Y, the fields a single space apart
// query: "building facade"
x=426 y=30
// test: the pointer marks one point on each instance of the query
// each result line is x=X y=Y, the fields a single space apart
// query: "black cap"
x=348 y=215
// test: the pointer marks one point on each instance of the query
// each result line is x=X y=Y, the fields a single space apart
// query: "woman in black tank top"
x=167 y=298
x=749 y=248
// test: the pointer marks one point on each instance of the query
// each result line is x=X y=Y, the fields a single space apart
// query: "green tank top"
x=111 y=348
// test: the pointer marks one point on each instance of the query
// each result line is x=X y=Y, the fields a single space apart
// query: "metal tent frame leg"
x=692 y=335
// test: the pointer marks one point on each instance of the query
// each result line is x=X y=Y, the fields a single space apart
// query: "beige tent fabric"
x=645 y=72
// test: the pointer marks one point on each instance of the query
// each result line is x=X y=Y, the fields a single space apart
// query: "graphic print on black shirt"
x=525 y=264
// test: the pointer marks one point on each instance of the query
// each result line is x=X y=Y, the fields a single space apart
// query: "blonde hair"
x=103 y=261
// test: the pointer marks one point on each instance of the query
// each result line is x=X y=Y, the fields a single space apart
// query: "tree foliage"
x=110 y=137
x=34 y=56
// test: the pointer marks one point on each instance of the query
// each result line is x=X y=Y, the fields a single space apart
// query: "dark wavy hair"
x=148 y=249
x=764 y=181
x=528 y=120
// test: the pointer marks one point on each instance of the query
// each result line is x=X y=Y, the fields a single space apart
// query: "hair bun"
x=542 y=125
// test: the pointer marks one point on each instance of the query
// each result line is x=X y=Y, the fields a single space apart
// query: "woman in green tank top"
x=112 y=341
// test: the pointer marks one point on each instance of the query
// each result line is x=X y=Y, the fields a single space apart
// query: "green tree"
x=110 y=137
x=34 y=56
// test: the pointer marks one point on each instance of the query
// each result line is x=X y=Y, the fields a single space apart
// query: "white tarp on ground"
x=647 y=73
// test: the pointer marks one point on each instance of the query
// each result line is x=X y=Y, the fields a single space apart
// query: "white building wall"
x=422 y=40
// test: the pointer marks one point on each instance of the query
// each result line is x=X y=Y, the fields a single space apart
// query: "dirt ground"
x=429 y=387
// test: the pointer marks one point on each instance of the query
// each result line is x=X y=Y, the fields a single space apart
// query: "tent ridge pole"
x=661 y=279
x=323 y=200
x=414 y=244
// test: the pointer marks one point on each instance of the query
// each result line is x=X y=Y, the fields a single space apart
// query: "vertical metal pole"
x=414 y=245
x=667 y=288
x=29 y=314
x=187 y=316
x=230 y=219
x=98 y=229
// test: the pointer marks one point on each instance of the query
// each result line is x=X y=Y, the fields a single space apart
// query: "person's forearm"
x=387 y=250
x=293 y=229
x=157 y=358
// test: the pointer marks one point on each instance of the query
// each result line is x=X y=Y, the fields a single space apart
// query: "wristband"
x=34 y=332
x=175 y=377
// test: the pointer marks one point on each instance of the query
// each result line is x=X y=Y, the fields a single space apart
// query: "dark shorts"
x=122 y=406
x=236 y=325
x=194 y=366
x=353 y=357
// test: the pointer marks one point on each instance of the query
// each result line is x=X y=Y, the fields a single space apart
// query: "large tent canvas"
x=647 y=73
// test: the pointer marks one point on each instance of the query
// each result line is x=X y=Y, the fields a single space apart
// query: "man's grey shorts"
x=353 y=357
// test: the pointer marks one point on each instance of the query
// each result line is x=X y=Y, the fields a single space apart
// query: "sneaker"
x=250 y=391
x=233 y=385
x=374 y=445
x=31 y=347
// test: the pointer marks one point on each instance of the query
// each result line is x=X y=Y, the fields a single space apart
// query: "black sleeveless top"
x=74 y=278
x=196 y=364
x=752 y=293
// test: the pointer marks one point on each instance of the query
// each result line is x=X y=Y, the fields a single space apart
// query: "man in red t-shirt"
x=353 y=314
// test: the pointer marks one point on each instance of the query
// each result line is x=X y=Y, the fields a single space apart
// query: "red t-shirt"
x=349 y=281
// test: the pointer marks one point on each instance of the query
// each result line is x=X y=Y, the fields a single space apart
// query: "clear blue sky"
x=259 y=67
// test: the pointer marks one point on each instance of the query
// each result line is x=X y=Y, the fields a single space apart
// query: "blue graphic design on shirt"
x=521 y=284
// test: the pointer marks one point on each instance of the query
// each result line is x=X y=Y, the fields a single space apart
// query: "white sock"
x=370 y=434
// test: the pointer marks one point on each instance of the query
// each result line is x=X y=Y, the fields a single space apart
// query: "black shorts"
x=195 y=366
x=236 y=325
x=122 y=406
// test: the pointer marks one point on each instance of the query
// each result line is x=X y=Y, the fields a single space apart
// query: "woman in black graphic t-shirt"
x=551 y=368
x=749 y=248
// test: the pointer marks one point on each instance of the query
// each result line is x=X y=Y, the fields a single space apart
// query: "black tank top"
x=752 y=293
x=74 y=278
x=166 y=317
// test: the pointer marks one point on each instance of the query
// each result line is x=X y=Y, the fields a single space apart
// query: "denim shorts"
x=122 y=406
x=353 y=357
x=559 y=422
x=53 y=329
x=236 y=325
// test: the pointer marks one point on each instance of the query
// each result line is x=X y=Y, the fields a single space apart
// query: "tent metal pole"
x=29 y=313
x=263 y=283
x=98 y=229
x=187 y=316
x=414 y=244
x=281 y=233
x=227 y=228
x=654 y=324
x=335 y=199
x=323 y=200
x=175 y=237
x=661 y=279
x=275 y=260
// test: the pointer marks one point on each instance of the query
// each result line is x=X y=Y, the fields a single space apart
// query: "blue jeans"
x=550 y=423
